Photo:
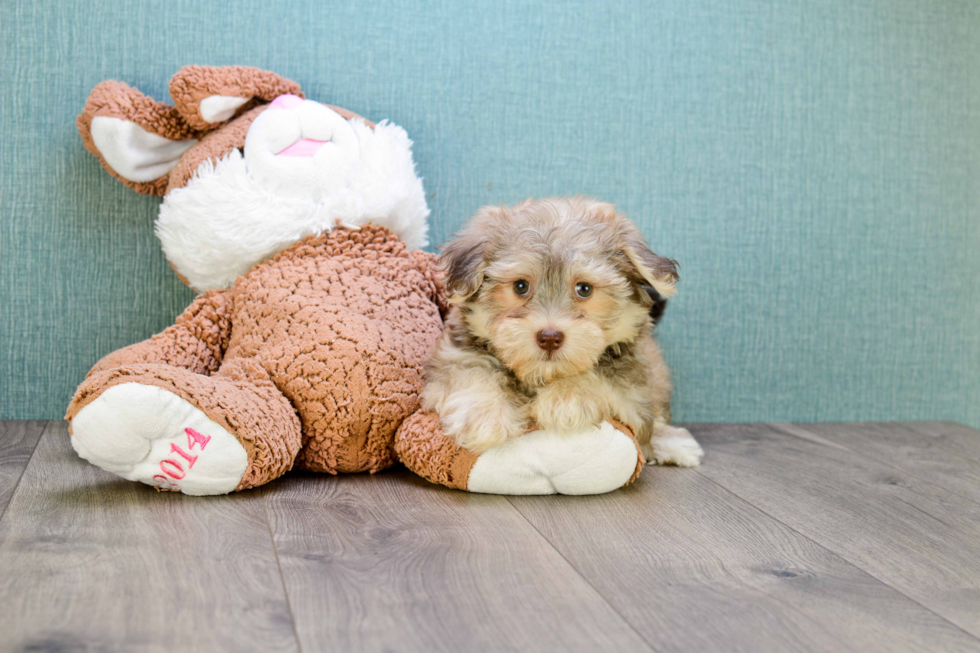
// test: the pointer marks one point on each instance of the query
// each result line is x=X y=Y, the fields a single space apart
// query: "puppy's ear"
x=657 y=271
x=465 y=258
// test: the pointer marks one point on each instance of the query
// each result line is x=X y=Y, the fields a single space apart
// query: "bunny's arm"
x=196 y=342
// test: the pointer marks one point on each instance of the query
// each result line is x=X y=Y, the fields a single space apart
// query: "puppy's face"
x=550 y=284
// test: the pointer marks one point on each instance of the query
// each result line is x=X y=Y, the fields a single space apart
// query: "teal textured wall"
x=814 y=166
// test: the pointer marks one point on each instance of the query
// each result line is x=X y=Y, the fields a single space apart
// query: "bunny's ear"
x=137 y=139
x=207 y=96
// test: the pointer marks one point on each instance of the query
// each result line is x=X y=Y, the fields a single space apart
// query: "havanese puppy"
x=551 y=328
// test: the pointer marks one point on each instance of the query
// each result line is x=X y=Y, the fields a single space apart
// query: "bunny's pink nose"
x=287 y=102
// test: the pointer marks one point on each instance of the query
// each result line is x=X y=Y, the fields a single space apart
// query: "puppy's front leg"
x=475 y=407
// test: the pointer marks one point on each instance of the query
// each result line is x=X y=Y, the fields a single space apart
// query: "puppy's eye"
x=583 y=290
x=521 y=286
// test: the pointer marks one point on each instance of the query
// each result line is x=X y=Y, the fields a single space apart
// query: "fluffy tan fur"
x=571 y=266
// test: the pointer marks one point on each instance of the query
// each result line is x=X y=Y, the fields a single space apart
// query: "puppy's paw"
x=481 y=436
x=672 y=445
x=478 y=429
x=567 y=408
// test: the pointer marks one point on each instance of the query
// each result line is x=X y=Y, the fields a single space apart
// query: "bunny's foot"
x=148 y=434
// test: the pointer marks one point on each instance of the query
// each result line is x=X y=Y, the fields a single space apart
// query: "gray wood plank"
x=389 y=562
x=925 y=451
x=94 y=562
x=958 y=438
x=694 y=568
x=17 y=442
x=912 y=535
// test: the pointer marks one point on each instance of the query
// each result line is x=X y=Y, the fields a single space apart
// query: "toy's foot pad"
x=148 y=434
x=673 y=445
x=594 y=461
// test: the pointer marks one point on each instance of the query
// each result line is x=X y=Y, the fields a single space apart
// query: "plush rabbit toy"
x=300 y=225
x=306 y=344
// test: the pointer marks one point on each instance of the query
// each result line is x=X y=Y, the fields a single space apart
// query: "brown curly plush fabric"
x=422 y=446
x=313 y=358
x=426 y=450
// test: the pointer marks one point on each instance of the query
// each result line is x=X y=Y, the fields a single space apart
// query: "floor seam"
x=282 y=577
x=20 y=477
x=839 y=556
x=582 y=576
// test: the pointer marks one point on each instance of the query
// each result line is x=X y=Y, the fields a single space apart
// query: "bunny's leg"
x=171 y=428
x=153 y=412
x=196 y=342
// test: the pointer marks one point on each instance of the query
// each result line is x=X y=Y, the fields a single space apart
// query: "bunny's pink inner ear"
x=207 y=96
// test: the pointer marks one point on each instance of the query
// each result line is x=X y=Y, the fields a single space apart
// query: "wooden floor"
x=844 y=537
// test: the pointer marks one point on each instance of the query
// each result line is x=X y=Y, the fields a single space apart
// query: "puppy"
x=551 y=326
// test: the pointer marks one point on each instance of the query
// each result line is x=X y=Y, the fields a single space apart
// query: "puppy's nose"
x=550 y=340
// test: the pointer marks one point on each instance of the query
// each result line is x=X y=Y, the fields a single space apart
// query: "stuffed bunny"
x=298 y=222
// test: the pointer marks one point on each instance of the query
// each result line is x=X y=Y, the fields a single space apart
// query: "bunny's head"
x=247 y=166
